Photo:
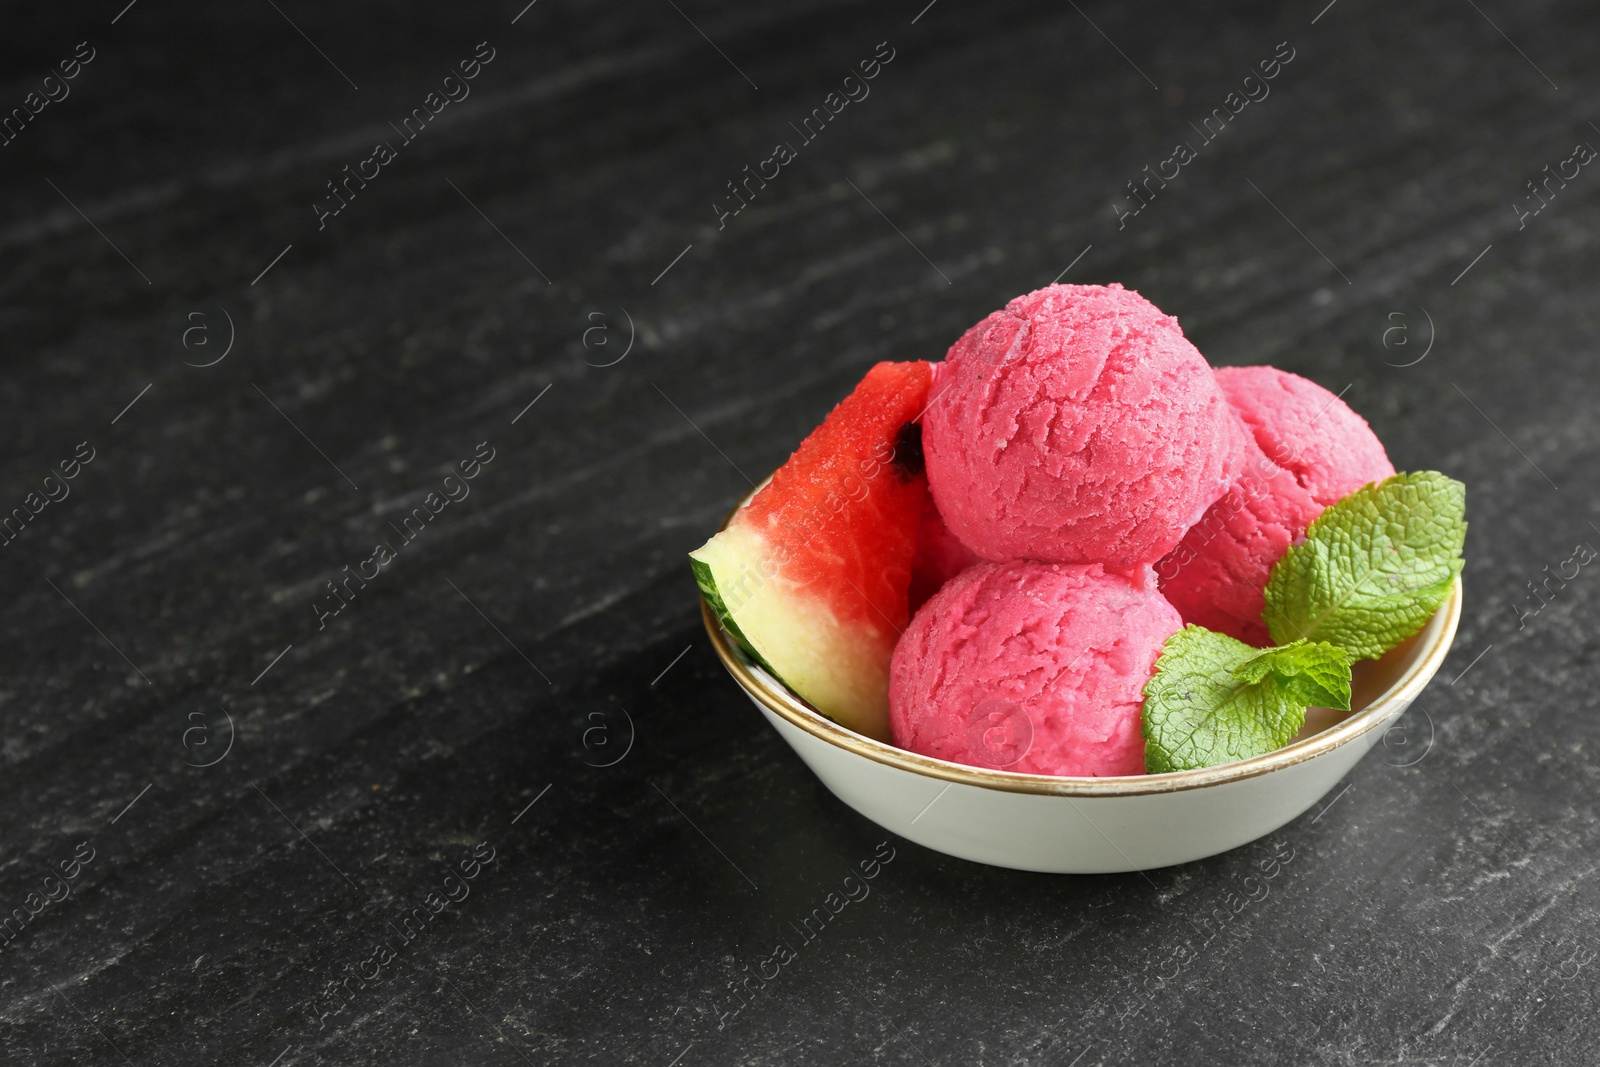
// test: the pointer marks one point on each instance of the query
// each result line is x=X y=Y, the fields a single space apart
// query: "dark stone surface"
x=1438 y=913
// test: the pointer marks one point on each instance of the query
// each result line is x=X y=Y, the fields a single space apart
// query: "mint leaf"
x=1309 y=673
x=708 y=588
x=1214 y=699
x=1373 y=568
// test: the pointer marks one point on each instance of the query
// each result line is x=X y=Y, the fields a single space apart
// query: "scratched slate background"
x=1358 y=226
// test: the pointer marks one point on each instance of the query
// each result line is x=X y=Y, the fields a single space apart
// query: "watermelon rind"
x=708 y=589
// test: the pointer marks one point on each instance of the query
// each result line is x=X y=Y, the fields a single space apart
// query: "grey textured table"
x=240 y=787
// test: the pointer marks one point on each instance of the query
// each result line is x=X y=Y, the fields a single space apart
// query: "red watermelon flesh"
x=811 y=576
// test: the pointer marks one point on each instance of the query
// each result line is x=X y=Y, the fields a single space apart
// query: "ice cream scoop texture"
x=1307 y=451
x=1078 y=425
x=1031 y=667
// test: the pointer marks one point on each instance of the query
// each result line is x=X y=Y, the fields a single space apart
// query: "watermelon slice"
x=810 y=576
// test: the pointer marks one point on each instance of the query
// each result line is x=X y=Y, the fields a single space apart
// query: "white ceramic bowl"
x=1036 y=822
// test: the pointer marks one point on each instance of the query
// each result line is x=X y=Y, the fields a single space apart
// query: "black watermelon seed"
x=908 y=461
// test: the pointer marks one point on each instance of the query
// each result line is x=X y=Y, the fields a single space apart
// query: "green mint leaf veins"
x=1373 y=568
x=1214 y=699
x=1307 y=672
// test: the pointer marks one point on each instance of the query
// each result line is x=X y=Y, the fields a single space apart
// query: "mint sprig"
x=1373 y=568
x=1371 y=572
x=1214 y=699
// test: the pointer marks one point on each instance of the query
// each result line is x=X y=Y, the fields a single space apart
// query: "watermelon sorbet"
x=1307 y=451
x=940 y=557
x=1077 y=425
x=1031 y=667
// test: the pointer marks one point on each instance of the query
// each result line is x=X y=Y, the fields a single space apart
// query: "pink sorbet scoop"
x=1031 y=667
x=1308 y=450
x=1077 y=425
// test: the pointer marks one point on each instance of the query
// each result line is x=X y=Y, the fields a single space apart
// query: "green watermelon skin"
x=811 y=576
